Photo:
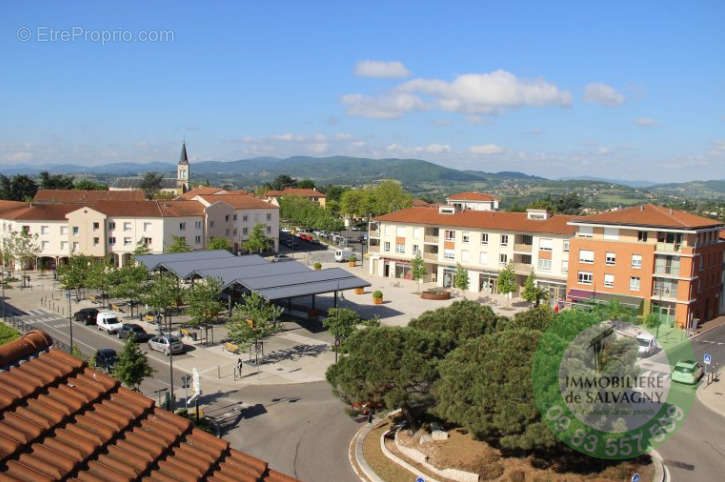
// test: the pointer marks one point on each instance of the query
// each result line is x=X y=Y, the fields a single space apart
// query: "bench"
x=231 y=347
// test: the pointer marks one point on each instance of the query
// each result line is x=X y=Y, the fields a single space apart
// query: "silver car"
x=166 y=344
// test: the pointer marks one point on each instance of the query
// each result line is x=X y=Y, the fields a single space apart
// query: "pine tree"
x=132 y=366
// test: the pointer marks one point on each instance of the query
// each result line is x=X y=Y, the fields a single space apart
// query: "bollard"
x=218 y=372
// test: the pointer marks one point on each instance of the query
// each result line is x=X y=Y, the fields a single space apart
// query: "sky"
x=621 y=90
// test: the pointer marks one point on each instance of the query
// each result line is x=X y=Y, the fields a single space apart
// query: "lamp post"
x=70 y=320
x=2 y=277
x=172 y=400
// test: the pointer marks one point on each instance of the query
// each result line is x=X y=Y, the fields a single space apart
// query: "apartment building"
x=649 y=257
x=482 y=241
x=477 y=201
x=273 y=196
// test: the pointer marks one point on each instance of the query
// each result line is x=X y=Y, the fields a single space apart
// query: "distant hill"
x=693 y=189
x=622 y=182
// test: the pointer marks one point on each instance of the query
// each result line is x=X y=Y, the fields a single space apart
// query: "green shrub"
x=317 y=266
x=377 y=294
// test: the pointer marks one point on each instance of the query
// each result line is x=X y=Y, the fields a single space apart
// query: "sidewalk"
x=713 y=395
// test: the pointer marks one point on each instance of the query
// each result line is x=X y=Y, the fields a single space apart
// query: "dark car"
x=129 y=330
x=105 y=358
x=86 y=315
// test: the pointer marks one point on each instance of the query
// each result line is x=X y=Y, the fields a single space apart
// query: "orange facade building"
x=649 y=257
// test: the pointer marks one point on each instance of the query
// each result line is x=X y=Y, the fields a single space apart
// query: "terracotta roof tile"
x=651 y=215
x=61 y=420
x=37 y=212
x=239 y=201
x=472 y=196
x=498 y=220
x=295 y=191
x=151 y=209
x=82 y=196
x=200 y=190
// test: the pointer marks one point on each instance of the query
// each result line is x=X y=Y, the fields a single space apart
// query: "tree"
x=506 y=282
x=128 y=283
x=88 y=185
x=531 y=293
x=151 y=184
x=99 y=277
x=257 y=242
x=486 y=386
x=73 y=275
x=460 y=280
x=25 y=248
x=389 y=196
x=204 y=301
x=19 y=188
x=132 y=366
x=253 y=320
x=219 y=243
x=141 y=248
x=282 y=181
x=309 y=214
x=179 y=245
x=418 y=270
x=536 y=318
x=354 y=203
x=8 y=253
x=162 y=293
x=341 y=322
x=306 y=184
x=393 y=366
x=461 y=321
x=56 y=181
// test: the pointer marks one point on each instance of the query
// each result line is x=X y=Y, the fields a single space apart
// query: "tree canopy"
x=461 y=321
x=179 y=245
x=132 y=366
x=55 y=181
x=18 y=188
x=151 y=183
x=384 y=198
x=204 y=301
x=308 y=214
x=258 y=242
x=89 y=185
x=220 y=243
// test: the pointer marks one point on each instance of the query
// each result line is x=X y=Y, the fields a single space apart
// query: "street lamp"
x=172 y=400
x=70 y=320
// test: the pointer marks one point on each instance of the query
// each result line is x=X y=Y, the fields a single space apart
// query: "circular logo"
x=605 y=388
x=24 y=34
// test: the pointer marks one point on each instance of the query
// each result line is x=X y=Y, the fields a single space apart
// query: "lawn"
x=7 y=333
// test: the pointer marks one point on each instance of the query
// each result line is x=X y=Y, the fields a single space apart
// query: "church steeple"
x=182 y=169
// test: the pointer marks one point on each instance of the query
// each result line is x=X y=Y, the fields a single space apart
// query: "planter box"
x=436 y=295
x=351 y=264
x=378 y=301
x=359 y=291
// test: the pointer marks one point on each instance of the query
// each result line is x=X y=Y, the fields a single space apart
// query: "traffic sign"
x=707 y=359
x=635 y=477
x=420 y=479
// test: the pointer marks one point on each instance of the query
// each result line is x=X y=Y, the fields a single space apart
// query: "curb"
x=709 y=405
x=662 y=473
x=355 y=447
x=402 y=462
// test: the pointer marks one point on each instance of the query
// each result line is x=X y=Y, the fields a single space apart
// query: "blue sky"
x=618 y=89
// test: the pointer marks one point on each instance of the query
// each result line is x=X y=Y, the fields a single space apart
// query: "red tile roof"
x=81 y=196
x=201 y=190
x=295 y=191
x=36 y=212
x=497 y=220
x=240 y=201
x=651 y=215
x=472 y=196
x=61 y=420
x=419 y=203
x=149 y=209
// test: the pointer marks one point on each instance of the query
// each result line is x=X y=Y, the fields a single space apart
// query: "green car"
x=687 y=371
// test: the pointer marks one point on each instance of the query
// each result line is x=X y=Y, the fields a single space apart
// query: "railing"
x=374 y=248
x=429 y=255
x=526 y=248
x=374 y=233
x=668 y=271
x=430 y=238
x=522 y=268
x=668 y=247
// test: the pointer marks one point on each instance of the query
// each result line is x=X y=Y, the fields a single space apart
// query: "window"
x=545 y=244
x=126 y=241
x=147 y=241
x=111 y=225
x=44 y=245
x=465 y=256
x=26 y=229
x=182 y=226
x=234 y=217
x=450 y=235
x=226 y=232
x=611 y=234
x=63 y=245
x=525 y=259
x=503 y=258
x=416 y=250
x=75 y=246
x=611 y=259
x=585 y=232
x=127 y=226
x=418 y=233
x=483 y=257
x=400 y=248
x=244 y=231
x=75 y=230
x=566 y=245
x=146 y=227
x=44 y=230
x=211 y=224
x=584 y=277
x=386 y=246
x=96 y=226
x=636 y=261
x=586 y=256
x=565 y=266
x=111 y=240
x=64 y=230
x=504 y=240
x=634 y=283
x=269 y=229
x=609 y=281
x=95 y=241
x=466 y=237
x=484 y=238
x=197 y=239
x=449 y=254
x=544 y=265
x=642 y=236
x=269 y=216
x=234 y=232
x=244 y=218
x=197 y=224
x=226 y=218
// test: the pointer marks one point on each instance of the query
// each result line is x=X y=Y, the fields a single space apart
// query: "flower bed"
x=436 y=294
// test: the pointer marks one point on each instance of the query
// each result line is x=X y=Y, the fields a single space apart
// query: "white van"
x=108 y=321
x=647 y=344
x=343 y=254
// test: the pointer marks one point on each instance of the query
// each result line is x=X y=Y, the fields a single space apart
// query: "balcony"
x=374 y=248
x=668 y=248
x=431 y=238
x=430 y=256
x=522 y=268
x=374 y=233
x=522 y=248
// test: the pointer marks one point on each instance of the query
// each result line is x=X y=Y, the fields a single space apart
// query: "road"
x=697 y=451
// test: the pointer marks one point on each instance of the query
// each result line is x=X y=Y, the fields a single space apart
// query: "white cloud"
x=646 y=122
x=430 y=149
x=18 y=156
x=391 y=105
x=438 y=148
x=486 y=149
x=381 y=70
x=602 y=94
x=318 y=148
x=282 y=137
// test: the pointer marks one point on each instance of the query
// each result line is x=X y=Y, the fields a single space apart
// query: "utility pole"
x=70 y=320
x=172 y=400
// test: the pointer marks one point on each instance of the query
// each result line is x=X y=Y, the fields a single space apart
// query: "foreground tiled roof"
x=651 y=215
x=295 y=191
x=239 y=201
x=79 y=195
x=61 y=420
x=36 y=212
x=472 y=196
x=496 y=220
x=419 y=203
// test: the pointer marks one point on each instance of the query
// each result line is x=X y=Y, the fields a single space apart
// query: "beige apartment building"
x=483 y=241
x=114 y=229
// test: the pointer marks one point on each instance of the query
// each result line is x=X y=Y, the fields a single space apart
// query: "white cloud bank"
x=646 y=122
x=381 y=70
x=602 y=94
x=486 y=149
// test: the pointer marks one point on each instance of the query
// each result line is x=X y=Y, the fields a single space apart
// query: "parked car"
x=105 y=358
x=343 y=254
x=688 y=372
x=133 y=330
x=108 y=321
x=166 y=344
x=647 y=344
x=86 y=315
